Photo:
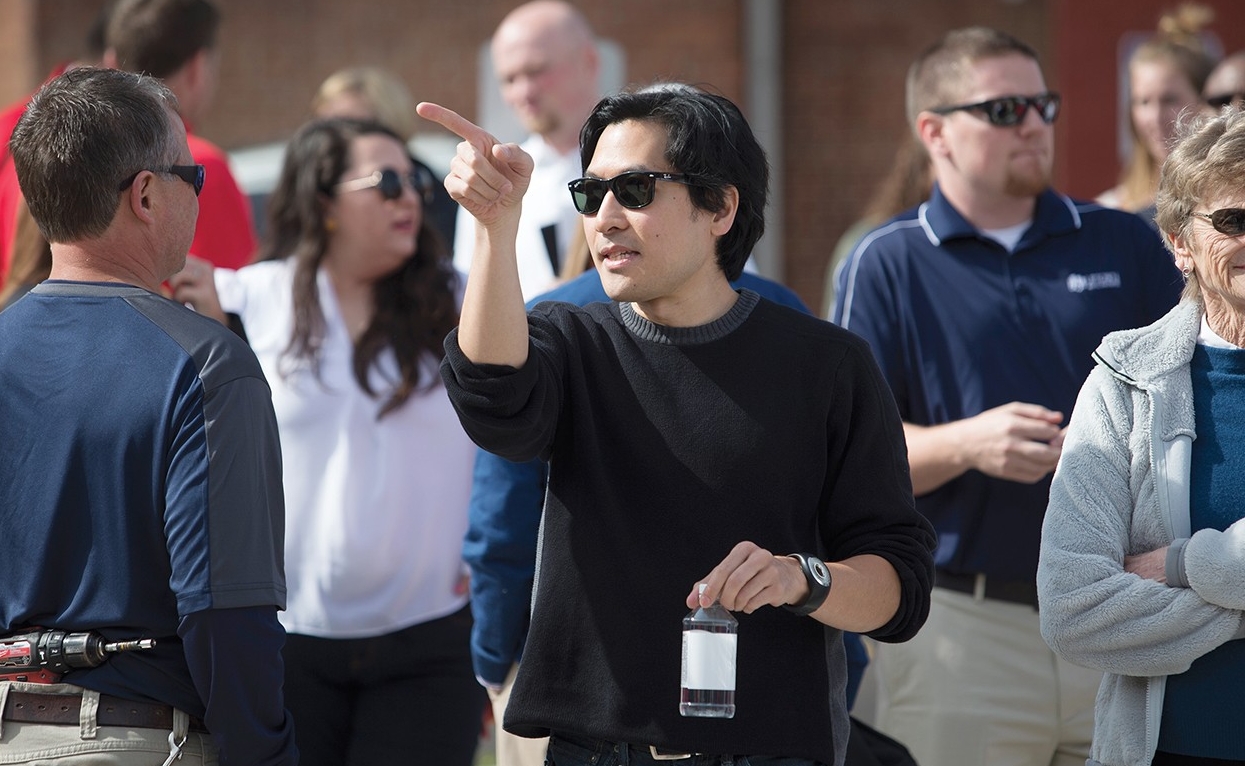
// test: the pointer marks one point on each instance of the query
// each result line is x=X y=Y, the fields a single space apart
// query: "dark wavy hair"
x=416 y=305
x=708 y=137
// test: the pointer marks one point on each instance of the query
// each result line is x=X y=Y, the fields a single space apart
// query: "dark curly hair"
x=416 y=305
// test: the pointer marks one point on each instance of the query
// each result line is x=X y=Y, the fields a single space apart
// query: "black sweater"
x=667 y=447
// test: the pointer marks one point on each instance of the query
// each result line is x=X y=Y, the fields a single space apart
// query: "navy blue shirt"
x=959 y=326
x=140 y=496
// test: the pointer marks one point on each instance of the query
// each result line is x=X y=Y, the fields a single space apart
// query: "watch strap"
x=819 y=581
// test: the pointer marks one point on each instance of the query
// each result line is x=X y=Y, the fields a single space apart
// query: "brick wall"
x=278 y=51
x=843 y=64
x=19 y=50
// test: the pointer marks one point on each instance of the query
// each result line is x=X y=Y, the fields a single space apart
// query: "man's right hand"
x=487 y=178
x=1018 y=442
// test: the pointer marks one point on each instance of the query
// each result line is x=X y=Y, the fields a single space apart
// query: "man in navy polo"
x=983 y=306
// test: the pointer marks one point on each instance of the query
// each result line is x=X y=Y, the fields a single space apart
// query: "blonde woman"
x=1166 y=74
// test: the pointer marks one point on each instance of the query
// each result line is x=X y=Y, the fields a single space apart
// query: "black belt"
x=640 y=755
x=1013 y=591
x=36 y=707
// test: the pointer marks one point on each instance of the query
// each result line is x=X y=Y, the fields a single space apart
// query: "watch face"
x=820 y=573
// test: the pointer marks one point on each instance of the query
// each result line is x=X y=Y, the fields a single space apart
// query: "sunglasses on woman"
x=1008 y=111
x=390 y=183
x=1228 y=220
x=633 y=189
x=1222 y=100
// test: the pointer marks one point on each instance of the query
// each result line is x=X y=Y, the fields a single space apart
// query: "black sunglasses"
x=1010 y=110
x=1219 y=102
x=191 y=174
x=1228 y=220
x=390 y=183
x=633 y=189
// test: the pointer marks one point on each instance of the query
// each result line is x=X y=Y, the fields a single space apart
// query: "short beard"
x=542 y=124
x=1027 y=184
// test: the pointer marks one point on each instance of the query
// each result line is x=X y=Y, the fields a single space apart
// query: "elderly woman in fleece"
x=1142 y=570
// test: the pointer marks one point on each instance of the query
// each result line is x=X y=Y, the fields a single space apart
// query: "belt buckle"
x=659 y=756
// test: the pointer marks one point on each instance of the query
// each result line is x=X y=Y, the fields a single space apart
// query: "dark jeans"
x=403 y=698
x=573 y=751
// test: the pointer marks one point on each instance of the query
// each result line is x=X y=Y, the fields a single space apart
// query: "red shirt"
x=224 y=234
x=9 y=191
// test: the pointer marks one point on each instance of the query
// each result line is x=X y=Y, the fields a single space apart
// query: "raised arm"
x=488 y=179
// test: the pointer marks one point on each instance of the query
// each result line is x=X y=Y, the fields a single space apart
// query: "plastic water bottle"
x=709 y=643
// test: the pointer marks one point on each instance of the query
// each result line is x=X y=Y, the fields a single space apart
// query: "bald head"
x=545 y=59
x=1226 y=84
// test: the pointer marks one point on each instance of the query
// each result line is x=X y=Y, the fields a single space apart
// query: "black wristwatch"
x=818 y=578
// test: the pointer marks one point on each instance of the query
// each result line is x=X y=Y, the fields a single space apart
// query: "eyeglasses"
x=390 y=183
x=1219 y=102
x=194 y=175
x=1010 y=110
x=633 y=189
x=1228 y=220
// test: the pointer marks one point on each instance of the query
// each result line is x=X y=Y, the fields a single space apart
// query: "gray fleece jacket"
x=1122 y=488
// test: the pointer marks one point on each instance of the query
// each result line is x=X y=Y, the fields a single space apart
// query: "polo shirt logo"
x=1103 y=280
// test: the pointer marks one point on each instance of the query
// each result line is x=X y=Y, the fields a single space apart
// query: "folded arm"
x=1095 y=610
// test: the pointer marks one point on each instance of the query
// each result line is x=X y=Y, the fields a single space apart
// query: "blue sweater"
x=1201 y=715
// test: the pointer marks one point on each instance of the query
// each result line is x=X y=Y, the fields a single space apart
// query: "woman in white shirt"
x=346 y=309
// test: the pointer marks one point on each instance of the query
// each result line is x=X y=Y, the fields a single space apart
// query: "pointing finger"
x=456 y=124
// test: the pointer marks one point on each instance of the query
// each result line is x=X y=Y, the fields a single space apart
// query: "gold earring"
x=330 y=225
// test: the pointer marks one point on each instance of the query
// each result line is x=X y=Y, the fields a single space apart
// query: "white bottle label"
x=709 y=660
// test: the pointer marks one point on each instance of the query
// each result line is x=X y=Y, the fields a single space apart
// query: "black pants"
x=407 y=697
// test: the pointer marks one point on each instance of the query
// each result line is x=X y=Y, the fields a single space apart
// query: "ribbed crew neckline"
x=685 y=336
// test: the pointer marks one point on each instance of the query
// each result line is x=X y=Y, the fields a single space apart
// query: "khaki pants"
x=513 y=750
x=979 y=687
x=88 y=744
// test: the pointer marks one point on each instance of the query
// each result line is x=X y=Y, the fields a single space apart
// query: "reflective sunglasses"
x=633 y=189
x=1228 y=220
x=1219 y=102
x=390 y=183
x=1009 y=110
x=191 y=174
